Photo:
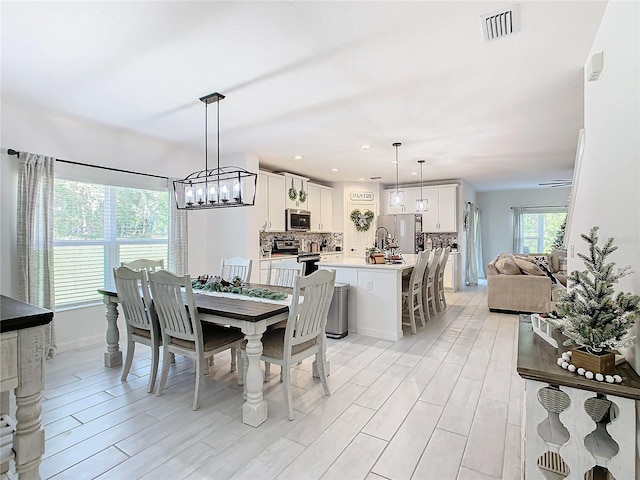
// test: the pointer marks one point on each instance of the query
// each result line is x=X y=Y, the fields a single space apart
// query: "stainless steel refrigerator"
x=406 y=228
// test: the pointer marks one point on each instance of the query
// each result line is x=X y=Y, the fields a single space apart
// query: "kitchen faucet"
x=382 y=244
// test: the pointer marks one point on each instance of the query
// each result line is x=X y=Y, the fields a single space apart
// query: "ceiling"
x=319 y=79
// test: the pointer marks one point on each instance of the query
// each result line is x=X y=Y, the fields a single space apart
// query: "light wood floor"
x=442 y=404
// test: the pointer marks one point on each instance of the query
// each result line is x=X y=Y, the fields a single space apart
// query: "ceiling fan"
x=557 y=183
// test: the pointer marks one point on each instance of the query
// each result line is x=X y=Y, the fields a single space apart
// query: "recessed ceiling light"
x=414 y=173
x=365 y=146
x=335 y=170
x=361 y=179
x=298 y=157
x=393 y=162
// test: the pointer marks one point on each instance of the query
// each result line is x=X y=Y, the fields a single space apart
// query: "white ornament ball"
x=560 y=361
x=609 y=378
x=588 y=374
x=617 y=378
x=572 y=368
x=566 y=355
x=569 y=353
x=581 y=371
x=599 y=377
x=565 y=365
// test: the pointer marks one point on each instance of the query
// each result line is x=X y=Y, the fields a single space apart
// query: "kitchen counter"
x=360 y=263
x=375 y=294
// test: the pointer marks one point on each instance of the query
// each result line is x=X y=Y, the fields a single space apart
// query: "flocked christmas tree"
x=558 y=242
x=594 y=315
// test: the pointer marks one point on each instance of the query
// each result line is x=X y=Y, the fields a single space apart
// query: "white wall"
x=497 y=216
x=31 y=131
x=608 y=187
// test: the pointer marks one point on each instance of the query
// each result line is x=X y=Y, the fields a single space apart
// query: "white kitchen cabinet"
x=299 y=184
x=330 y=256
x=321 y=207
x=450 y=273
x=271 y=189
x=442 y=207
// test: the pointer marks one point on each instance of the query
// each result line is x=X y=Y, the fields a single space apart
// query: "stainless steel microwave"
x=298 y=219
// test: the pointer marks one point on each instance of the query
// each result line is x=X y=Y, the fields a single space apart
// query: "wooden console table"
x=571 y=423
x=22 y=368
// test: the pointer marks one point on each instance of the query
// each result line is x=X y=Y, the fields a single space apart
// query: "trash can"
x=338 y=317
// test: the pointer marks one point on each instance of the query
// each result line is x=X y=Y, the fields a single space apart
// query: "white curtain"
x=517 y=229
x=178 y=233
x=473 y=244
x=35 y=236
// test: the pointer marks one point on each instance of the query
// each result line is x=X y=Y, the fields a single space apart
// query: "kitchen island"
x=375 y=295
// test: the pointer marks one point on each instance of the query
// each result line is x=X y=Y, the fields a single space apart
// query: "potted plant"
x=591 y=314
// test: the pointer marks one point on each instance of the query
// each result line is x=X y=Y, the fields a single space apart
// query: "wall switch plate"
x=369 y=285
x=572 y=254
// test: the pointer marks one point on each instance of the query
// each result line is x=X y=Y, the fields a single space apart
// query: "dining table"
x=252 y=315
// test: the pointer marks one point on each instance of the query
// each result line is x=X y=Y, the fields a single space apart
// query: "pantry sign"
x=361 y=196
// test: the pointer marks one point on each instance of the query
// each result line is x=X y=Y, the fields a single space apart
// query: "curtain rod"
x=11 y=151
x=544 y=206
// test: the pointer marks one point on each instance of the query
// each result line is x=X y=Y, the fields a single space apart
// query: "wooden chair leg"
x=165 y=371
x=155 y=353
x=131 y=348
x=287 y=390
x=267 y=371
x=201 y=366
x=245 y=368
x=322 y=372
x=233 y=359
x=240 y=366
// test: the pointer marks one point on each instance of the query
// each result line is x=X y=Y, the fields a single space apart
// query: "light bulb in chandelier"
x=396 y=197
x=188 y=195
x=421 y=203
x=213 y=194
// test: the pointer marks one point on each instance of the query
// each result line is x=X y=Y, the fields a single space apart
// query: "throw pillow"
x=528 y=267
x=543 y=264
x=506 y=265
x=563 y=265
x=541 y=260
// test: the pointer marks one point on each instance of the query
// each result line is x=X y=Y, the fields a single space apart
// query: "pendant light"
x=218 y=187
x=421 y=203
x=396 y=197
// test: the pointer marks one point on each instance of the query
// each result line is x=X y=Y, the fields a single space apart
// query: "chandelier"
x=396 y=197
x=218 y=187
x=421 y=203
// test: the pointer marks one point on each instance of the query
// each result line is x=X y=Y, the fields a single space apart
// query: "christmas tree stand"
x=603 y=362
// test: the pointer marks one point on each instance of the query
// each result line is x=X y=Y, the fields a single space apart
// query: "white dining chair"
x=441 y=301
x=283 y=273
x=304 y=333
x=235 y=267
x=429 y=284
x=144 y=264
x=182 y=331
x=412 y=292
x=140 y=317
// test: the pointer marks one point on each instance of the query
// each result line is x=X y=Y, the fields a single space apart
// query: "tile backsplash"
x=444 y=240
x=330 y=240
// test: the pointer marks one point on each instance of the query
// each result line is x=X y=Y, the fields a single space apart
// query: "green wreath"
x=302 y=195
x=362 y=220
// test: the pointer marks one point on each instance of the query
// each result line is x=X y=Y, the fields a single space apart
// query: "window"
x=98 y=226
x=538 y=229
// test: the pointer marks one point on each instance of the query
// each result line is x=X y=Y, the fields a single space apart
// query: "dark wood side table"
x=585 y=422
x=22 y=352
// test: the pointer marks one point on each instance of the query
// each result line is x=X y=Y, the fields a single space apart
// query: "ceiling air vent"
x=500 y=24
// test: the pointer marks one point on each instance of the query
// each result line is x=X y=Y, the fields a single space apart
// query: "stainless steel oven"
x=299 y=220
